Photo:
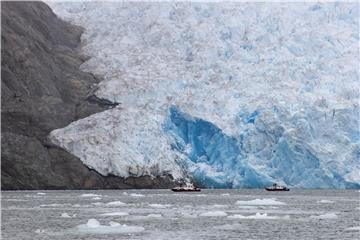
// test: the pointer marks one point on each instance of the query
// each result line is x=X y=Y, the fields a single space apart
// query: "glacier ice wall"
x=234 y=94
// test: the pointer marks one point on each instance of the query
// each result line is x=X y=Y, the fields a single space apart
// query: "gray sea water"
x=162 y=214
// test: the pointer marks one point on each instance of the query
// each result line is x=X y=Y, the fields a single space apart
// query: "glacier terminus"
x=231 y=95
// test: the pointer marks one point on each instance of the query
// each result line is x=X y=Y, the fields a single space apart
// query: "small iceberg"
x=353 y=228
x=90 y=195
x=115 y=214
x=65 y=215
x=136 y=195
x=325 y=201
x=214 y=214
x=156 y=205
x=93 y=226
x=115 y=204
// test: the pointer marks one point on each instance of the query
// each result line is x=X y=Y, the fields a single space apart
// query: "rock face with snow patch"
x=235 y=95
x=43 y=89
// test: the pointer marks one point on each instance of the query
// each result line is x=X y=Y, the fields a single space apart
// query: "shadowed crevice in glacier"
x=221 y=161
x=216 y=160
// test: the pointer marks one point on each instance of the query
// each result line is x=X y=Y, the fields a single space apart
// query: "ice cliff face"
x=234 y=95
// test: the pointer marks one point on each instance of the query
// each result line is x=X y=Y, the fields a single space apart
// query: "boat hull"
x=186 y=190
x=277 y=190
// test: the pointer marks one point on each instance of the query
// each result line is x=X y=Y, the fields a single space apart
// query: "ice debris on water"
x=93 y=226
x=265 y=201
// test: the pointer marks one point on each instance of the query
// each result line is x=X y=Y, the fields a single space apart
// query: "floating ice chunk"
x=93 y=226
x=65 y=215
x=55 y=205
x=40 y=230
x=153 y=215
x=353 y=228
x=265 y=201
x=41 y=193
x=136 y=195
x=214 y=214
x=325 y=216
x=115 y=224
x=219 y=206
x=115 y=204
x=90 y=195
x=258 y=216
x=225 y=194
x=325 y=201
x=96 y=198
x=125 y=193
x=97 y=203
x=156 y=205
x=115 y=214
x=93 y=223
x=248 y=207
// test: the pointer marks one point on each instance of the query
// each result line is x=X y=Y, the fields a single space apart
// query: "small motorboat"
x=189 y=187
x=276 y=187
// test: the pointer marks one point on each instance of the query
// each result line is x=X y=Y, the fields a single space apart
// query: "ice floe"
x=265 y=201
x=154 y=215
x=214 y=214
x=115 y=204
x=93 y=226
x=136 y=195
x=40 y=230
x=41 y=193
x=258 y=216
x=156 y=205
x=90 y=195
x=65 y=215
x=353 y=228
x=115 y=214
x=325 y=201
x=96 y=198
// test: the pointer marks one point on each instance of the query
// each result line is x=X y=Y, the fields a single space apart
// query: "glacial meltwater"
x=162 y=214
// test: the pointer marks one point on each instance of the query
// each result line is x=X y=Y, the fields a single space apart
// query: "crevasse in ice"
x=233 y=95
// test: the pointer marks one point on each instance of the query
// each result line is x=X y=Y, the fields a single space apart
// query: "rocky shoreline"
x=42 y=90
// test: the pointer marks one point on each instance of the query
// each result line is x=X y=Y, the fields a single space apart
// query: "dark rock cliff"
x=43 y=89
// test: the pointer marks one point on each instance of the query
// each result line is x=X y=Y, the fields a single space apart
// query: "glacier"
x=229 y=95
